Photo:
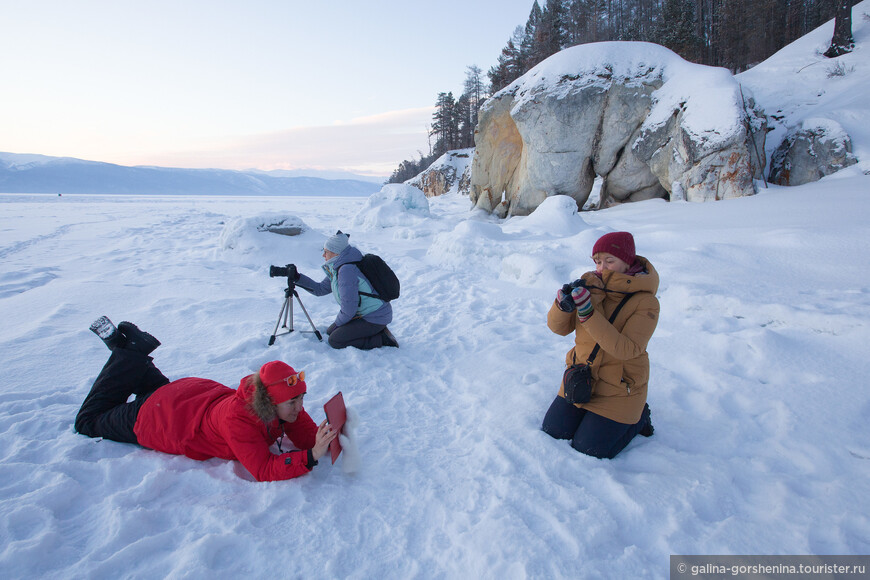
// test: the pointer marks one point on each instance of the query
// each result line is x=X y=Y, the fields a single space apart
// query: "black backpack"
x=382 y=278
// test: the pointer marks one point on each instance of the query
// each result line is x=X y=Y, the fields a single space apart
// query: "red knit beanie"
x=619 y=244
x=275 y=377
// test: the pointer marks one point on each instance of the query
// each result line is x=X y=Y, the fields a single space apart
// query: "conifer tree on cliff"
x=472 y=95
x=528 y=56
x=510 y=65
x=444 y=124
x=550 y=31
x=842 y=42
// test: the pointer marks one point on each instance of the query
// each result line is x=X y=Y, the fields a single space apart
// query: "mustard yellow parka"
x=620 y=372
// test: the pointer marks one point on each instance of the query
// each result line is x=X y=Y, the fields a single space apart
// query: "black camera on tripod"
x=288 y=271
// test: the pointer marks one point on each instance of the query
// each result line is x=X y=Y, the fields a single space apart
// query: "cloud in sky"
x=367 y=145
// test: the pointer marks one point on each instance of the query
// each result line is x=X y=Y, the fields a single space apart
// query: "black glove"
x=330 y=329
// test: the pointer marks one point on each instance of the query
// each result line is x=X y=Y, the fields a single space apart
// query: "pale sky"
x=266 y=84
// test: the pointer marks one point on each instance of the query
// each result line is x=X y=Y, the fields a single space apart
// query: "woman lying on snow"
x=616 y=411
x=200 y=418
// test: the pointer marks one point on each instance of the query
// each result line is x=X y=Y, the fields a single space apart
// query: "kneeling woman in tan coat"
x=616 y=411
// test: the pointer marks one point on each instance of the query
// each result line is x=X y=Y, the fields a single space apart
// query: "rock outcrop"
x=811 y=150
x=635 y=114
x=285 y=226
x=449 y=173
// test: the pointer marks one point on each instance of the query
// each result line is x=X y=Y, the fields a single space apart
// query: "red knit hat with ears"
x=281 y=381
x=619 y=244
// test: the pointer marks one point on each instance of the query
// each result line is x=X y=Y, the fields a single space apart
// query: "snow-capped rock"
x=634 y=113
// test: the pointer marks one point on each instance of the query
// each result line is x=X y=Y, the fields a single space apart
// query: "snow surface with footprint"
x=758 y=378
x=757 y=389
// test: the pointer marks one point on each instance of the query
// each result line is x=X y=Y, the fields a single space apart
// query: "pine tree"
x=706 y=27
x=473 y=85
x=445 y=124
x=795 y=14
x=732 y=37
x=473 y=93
x=586 y=20
x=509 y=67
x=676 y=28
x=644 y=19
x=465 y=124
x=409 y=169
x=575 y=19
x=528 y=56
x=550 y=31
x=842 y=42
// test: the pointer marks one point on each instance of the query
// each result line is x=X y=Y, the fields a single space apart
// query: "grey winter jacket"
x=345 y=281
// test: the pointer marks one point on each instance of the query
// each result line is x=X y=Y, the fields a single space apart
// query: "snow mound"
x=556 y=216
x=258 y=235
x=535 y=251
x=831 y=130
x=394 y=205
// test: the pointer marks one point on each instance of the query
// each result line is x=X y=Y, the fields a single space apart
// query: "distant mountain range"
x=22 y=173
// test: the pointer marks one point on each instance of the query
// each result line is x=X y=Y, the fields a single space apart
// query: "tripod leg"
x=283 y=313
x=316 y=332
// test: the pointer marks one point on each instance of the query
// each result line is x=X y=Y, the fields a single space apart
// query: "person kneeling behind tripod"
x=362 y=320
x=201 y=418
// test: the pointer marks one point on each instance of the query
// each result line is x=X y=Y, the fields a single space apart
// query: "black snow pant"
x=590 y=433
x=358 y=333
x=105 y=412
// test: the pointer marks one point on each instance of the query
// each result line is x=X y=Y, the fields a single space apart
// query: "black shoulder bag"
x=577 y=379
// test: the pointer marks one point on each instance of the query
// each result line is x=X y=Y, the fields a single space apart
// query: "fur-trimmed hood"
x=257 y=399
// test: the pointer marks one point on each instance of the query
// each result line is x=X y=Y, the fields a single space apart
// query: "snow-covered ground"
x=758 y=394
x=758 y=390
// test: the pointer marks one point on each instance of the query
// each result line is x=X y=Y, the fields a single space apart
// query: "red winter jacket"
x=201 y=419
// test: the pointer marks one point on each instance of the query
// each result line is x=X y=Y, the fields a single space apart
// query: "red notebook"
x=336 y=414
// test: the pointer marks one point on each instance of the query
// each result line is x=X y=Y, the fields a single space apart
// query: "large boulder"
x=633 y=113
x=811 y=150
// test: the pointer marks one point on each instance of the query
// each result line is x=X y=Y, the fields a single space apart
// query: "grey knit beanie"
x=337 y=243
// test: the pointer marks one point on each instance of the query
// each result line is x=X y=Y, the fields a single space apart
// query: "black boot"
x=388 y=338
x=107 y=332
x=137 y=340
x=647 y=429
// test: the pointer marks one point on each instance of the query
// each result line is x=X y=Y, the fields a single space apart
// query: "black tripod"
x=287 y=313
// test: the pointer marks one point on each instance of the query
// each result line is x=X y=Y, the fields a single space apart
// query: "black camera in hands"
x=288 y=271
x=578 y=283
x=567 y=302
